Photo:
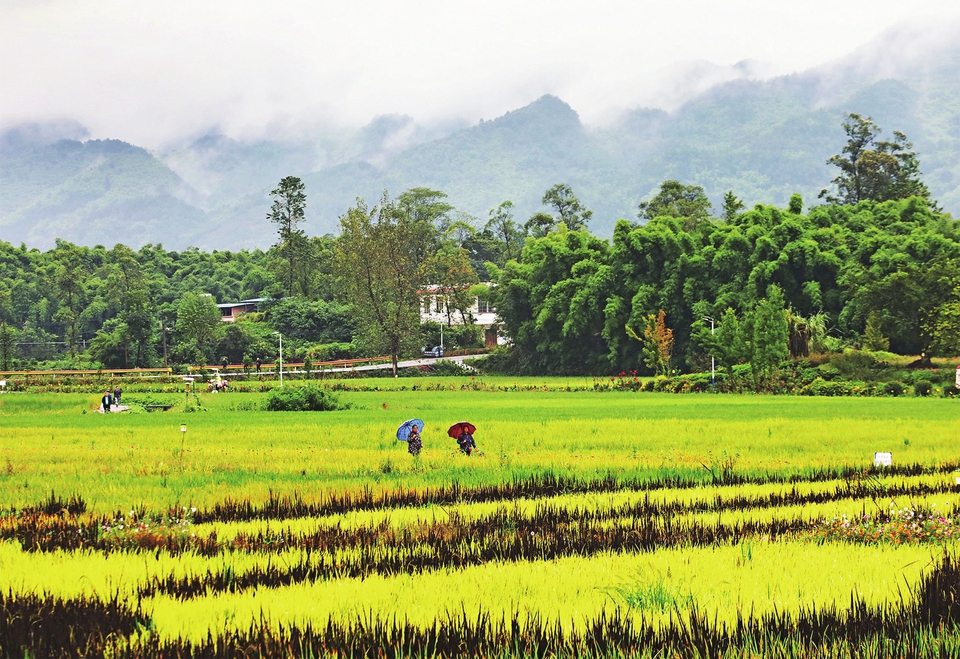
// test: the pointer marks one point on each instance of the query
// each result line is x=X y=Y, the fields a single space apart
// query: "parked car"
x=435 y=351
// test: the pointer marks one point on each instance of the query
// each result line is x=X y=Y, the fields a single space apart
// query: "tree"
x=725 y=343
x=943 y=326
x=873 y=338
x=872 y=169
x=657 y=342
x=674 y=199
x=199 y=324
x=320 y=321
x=449 y=269
x=429 y=218
x=7 y=342
x=569 y=209
x=287 y=212
x=128 y=290
x=540 y=224
x=380 y=275
x=69 y=277
x=507 y=233
x=109 y=344
x=236 y=341
x=732 y=205
x=796 y=203
x=910 y=301
x=770 y=335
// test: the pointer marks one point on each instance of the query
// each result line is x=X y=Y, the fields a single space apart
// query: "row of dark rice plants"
x=926 y=625
x=37 y=531
x=854 y=490
x=535 y=486
x=503 y=536
x=33 y=625
x=546 y=515
x=54 y=505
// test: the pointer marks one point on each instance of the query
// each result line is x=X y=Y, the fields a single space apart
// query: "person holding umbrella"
x=414 y=442
x=463 y=433
x=409 y=432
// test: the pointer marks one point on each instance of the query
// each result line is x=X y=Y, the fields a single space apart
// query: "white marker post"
x=183 y=439
x=883 y=459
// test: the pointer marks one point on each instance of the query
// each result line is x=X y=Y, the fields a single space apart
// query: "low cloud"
x=154 y=72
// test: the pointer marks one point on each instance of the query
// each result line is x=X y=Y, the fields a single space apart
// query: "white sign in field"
x=883 y=459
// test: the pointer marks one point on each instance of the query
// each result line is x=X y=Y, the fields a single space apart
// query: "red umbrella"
x=463 y=427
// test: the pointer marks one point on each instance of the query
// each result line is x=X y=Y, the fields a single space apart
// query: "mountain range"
x=763 y=139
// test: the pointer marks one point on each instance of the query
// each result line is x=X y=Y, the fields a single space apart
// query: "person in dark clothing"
x=414 y=442
x=224 y=362
x=117 y=393
x=258 y=364
x=106 y=401
x=467 y=445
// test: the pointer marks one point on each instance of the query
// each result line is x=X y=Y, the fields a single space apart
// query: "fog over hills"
x=763 y=139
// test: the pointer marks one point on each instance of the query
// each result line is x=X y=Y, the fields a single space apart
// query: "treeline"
x=76 y=306
x=877 y=267
x=879 y=275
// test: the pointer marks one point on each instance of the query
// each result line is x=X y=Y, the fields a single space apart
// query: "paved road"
x=402 y=364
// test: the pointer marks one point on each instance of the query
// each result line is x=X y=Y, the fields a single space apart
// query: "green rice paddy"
x=582 y=506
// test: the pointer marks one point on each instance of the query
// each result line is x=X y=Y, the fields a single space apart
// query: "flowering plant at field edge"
x=173 y=529
x=897 y=526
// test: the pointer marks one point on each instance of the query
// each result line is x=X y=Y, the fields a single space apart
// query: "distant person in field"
x=106 y=401
x=258 y=364
x=414 y=442
x=224 y=362
x=117 y=393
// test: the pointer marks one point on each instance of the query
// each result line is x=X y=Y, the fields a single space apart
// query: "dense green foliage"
x=569 y=298
x=874 y=274
x=142 y=308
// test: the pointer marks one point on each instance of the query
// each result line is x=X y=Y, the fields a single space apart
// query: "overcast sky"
x=149 y=72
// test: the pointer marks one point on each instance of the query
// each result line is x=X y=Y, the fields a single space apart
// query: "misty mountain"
x=763 y=139
x=97 y=191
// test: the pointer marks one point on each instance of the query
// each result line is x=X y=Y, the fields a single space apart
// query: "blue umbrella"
x=403 y=432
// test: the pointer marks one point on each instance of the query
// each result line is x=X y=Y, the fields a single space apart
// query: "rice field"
x=592 y=523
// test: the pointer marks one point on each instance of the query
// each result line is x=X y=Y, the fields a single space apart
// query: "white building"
x=434 y=306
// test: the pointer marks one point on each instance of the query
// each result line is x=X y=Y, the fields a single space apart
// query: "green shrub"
x=662 y=383
x=328 y=352
x=821 y=387
x=857 y=365
x=893 y=389
x=308 y=398
x=912 y=377
x=922 y=388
